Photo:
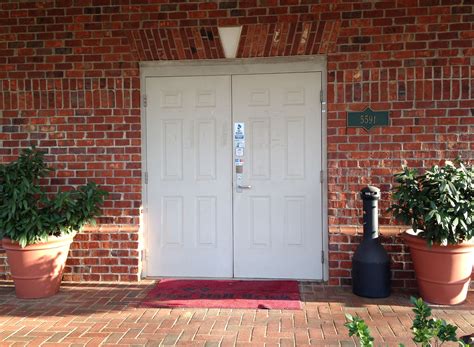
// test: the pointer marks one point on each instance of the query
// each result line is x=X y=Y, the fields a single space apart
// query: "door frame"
x=217 y=67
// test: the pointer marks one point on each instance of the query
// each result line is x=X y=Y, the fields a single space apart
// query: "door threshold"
x=234 y=278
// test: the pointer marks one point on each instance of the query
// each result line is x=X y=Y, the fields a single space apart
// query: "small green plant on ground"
x=358 y=328
x=426 y=331
x=28 y=214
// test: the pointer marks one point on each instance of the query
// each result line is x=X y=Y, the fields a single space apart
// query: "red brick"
x=71 y=83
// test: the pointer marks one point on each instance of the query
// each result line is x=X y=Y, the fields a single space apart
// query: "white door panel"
x=278 y=222
x=189 y=165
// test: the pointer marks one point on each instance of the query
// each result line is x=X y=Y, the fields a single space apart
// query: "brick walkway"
x=96 y=314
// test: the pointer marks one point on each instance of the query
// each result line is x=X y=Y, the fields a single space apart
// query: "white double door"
x=199 y=222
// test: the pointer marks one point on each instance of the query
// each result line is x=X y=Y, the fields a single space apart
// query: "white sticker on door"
x=239 y=131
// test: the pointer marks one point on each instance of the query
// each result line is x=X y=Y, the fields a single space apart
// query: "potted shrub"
x=439 y=206
x=38 y=227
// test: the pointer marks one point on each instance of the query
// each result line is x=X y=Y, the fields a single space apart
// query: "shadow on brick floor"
x=75 y=299
x=316 y=292
x=108 y=314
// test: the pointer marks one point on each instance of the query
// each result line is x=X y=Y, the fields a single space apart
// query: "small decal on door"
x=239 y=131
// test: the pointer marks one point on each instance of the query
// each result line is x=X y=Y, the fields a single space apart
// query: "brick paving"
x=105 y=314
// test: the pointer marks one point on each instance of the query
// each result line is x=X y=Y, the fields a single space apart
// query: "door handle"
x=244 y=187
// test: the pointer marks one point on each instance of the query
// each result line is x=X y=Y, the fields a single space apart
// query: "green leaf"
x=440 y=202
x=29 y=214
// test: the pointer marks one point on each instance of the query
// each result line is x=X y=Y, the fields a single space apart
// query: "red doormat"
x=172 y=293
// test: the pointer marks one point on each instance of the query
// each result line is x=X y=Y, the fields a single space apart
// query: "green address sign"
x=367 y=119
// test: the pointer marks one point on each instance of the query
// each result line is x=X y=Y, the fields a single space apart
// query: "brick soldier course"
x=93 y=314
x=69 y=83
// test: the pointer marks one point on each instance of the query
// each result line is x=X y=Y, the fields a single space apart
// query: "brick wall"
x=69 y=82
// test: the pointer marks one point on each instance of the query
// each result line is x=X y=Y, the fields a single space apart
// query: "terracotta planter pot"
x=443 y=273
x=37 y=269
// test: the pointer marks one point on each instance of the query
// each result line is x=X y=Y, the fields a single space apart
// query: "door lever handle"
x=244 y=187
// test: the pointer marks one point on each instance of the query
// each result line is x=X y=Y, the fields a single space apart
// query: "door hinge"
x=143 y=254
x=321 y=96
x=146 y=177
x=145 y=101
x=321 y=176
x=322 y=257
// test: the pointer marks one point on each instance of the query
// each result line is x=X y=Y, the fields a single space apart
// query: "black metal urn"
x=371 y=263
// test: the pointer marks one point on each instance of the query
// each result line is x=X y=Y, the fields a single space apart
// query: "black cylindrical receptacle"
x=371 y=263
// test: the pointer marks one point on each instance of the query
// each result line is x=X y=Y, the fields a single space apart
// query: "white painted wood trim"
x=143 y=237
x=233 y=66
